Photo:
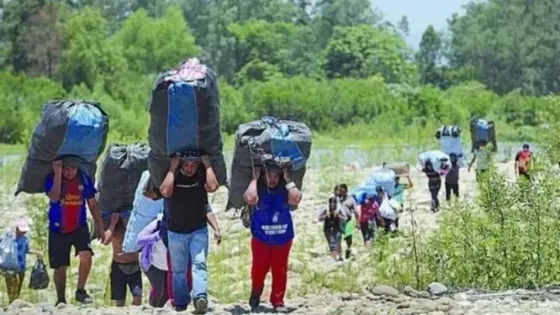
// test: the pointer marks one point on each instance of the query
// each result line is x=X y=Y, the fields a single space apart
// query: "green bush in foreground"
x=506 y=238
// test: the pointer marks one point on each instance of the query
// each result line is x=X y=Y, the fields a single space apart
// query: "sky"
x=420 y=13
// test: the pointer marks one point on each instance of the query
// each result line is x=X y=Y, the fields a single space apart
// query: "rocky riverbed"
x=436 y=300
x=372 y=301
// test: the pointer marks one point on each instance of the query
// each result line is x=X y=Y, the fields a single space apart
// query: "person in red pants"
x=271 y=196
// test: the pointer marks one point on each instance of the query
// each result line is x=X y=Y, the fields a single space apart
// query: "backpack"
x=524 y=160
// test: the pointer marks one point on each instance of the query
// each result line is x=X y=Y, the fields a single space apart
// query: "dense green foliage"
x=329 y=63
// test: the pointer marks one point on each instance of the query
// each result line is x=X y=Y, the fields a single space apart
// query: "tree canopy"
x=329 y=63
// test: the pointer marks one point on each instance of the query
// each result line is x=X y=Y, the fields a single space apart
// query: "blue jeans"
x=181 y=247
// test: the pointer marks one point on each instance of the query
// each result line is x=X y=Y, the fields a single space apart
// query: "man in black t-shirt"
x=185 y=190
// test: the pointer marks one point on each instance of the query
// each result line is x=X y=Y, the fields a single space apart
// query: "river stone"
x=384 y=290
x=18 y=304
x=403 y=305
x=437 y=289
x=296 y=266
x=427 y=305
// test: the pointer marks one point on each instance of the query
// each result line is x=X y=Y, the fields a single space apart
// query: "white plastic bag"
x=144 y=211
x=387 y=210
x=8 y=251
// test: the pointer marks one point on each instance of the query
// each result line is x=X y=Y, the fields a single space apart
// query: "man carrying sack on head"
x=185 y=189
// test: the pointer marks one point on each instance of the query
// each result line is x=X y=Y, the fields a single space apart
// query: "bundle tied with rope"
x=267 y=143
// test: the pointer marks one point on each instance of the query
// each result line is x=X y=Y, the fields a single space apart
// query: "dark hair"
x=378 y=189
x=526 y=146
x=342 y=186
x=453 y=159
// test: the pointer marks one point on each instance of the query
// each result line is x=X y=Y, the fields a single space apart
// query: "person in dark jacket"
x=332 y=219
x=434 y=184
x=452 y=179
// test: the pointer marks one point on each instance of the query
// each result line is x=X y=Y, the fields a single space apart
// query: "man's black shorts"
x=60 y=245
x=123 y=275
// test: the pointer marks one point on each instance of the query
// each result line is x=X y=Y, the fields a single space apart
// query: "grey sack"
x=121 y=171
x=66 y=128
x=254 y=147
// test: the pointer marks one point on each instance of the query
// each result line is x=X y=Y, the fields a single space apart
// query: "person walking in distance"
x=482 y=156
x=185 y=189
x=434 y=184
x=452 y=179
x=271 y=195
x=350 y=211
x=523 y=162
x=332 y=223
x=69 y=189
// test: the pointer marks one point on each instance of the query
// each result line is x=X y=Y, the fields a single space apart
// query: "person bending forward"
x=271 y=197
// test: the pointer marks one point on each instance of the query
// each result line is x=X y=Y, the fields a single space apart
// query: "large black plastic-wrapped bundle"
x=268 y=141
x=122 y=169
x=66 y=128
x=483 y=131
x=185 y=114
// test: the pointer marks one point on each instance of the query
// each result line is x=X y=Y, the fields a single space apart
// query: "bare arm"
x=410 y=185
x=213 y=221
x=251 y=195
x=211 y=184
x=472 y=161
x=166 y=187
x=96 y=215
x=294 y=195
x=54 y=193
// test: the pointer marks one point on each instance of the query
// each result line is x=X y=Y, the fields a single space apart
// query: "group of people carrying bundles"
x=378 y=210
x=172 y=247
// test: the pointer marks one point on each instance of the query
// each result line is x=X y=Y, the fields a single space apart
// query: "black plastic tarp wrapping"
x=488 y=133
x=209 y=135
x=66 y=128
x=254 y=148
x=121 y=171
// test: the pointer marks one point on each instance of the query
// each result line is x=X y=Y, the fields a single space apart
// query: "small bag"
x=39 y=276
x=247 y=216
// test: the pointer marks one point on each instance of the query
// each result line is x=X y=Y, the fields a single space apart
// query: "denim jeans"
x=181 y=247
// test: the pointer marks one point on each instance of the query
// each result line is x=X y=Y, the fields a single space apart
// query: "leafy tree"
x=363 y=51
x=404 y=26
x=15 y=15
x=429 y=58
x=88 y=51
x=260 y=40
x=151 y=45
x=42 y=42
x=333 y=13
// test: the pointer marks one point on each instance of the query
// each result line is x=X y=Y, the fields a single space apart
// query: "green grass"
x=7 y=149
